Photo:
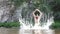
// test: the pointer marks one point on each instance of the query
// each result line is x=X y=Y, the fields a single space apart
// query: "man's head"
x=37 y=13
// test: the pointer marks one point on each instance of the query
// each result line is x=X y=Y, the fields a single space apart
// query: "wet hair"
x=37 y=13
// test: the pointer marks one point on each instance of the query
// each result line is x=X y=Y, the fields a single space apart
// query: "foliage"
x=9 y=24
x=17 y=3
x=56 y=25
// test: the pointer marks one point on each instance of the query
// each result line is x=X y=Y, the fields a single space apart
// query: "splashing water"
x=26 y=21
x=28 y=25
x=49 y=22
x=45 y=26
x=26 y=29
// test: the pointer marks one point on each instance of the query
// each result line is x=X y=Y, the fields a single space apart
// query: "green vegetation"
x=56 y=25
x=9 y=24
x=17 y=3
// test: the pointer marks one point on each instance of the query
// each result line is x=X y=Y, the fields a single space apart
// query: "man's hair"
x=37 y=13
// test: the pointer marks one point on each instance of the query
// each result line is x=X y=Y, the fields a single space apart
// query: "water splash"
x=30 y=26
x=25 y=24
x=26 y=20
x=26 y=29
x=49 y=23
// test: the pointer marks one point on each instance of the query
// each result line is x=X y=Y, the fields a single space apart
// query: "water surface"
x=19 y=31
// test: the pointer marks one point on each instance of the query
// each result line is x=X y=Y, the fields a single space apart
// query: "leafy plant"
x=9 y=24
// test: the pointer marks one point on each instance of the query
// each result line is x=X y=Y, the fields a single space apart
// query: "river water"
x=19 y=31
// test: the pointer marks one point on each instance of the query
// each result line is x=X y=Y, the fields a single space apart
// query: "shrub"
x=9 y=24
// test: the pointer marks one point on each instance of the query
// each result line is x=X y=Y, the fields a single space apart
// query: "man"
x=37 y=16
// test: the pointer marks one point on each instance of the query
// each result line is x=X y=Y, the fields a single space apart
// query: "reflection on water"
x=57 y=31
x=9 y=31
x=18 y=31
x=36 y=31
